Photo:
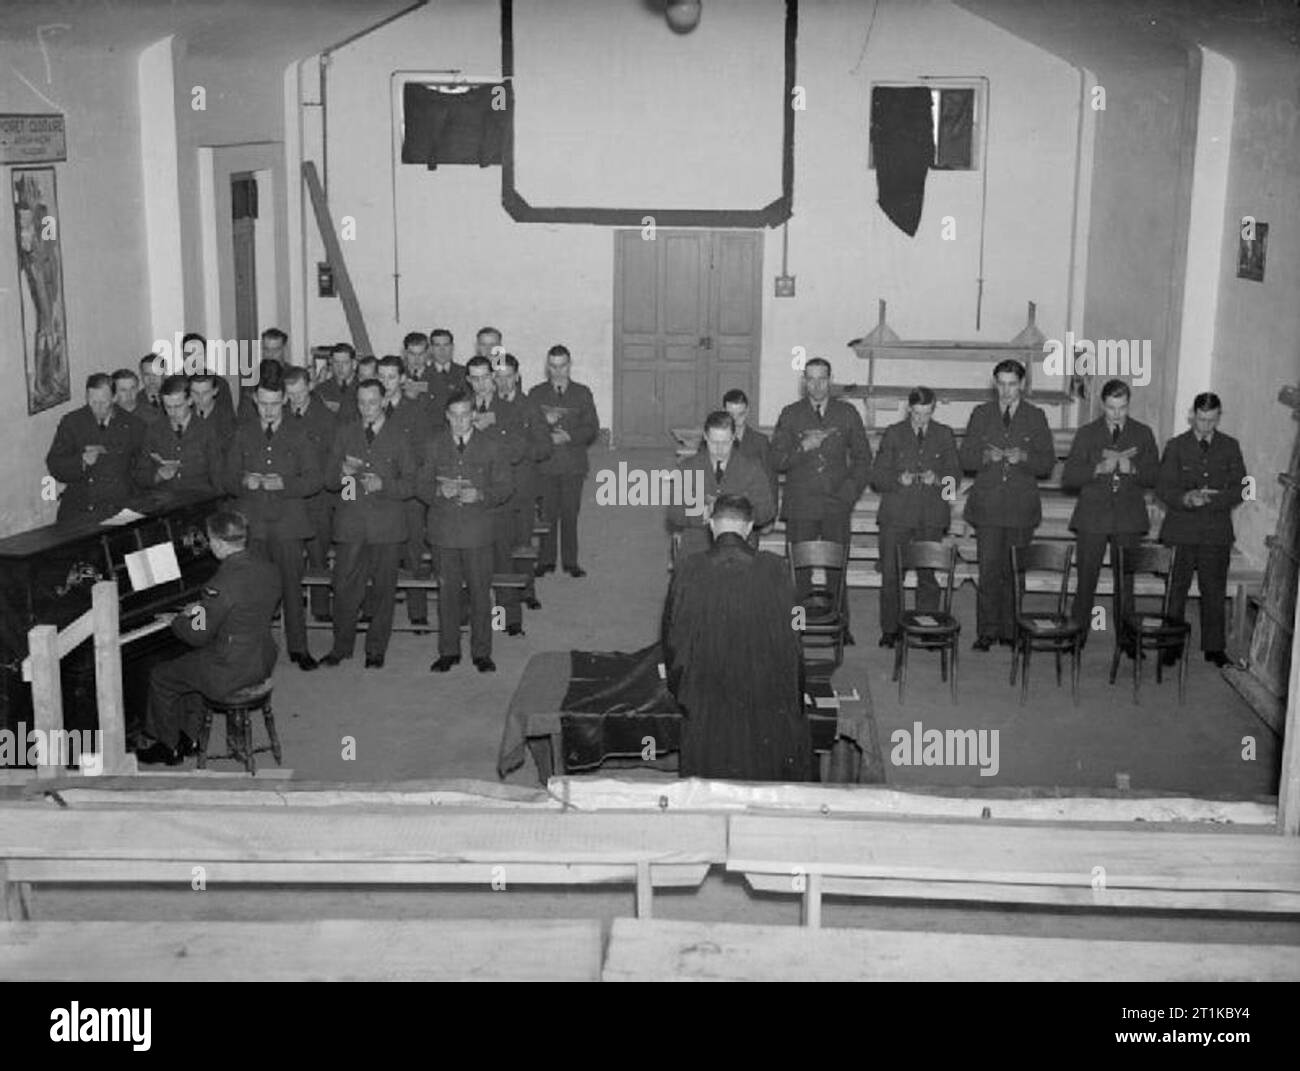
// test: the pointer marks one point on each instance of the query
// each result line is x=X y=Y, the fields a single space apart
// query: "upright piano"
x=46 y=576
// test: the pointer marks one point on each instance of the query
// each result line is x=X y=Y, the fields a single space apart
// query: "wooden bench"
x=656 y=950
x=343 y=845
x=1045 y=863
x=353 y=950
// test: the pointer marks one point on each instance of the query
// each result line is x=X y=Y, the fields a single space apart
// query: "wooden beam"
x=659 y=950
x=73 y=636
x=1288 y=792
x=1000 y=853
x=328 y=950
x=334 y=252
x=47 y=690
x=112 y=758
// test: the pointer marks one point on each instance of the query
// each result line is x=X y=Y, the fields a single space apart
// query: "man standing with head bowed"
x=1009 y=447
x=570 y=413
x=1201 y=481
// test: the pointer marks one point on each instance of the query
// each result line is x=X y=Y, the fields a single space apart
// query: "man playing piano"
x=230 y=626
x=93 y=451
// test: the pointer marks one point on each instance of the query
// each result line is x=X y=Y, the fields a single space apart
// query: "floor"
x=402 y=722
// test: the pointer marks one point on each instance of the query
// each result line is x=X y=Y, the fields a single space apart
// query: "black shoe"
x=485 y=665
x=888 y=639
x=577 y=572
x=1129 y=649
x=849 y=641
x=532 y=603
x=374 y=661
x=419 y=622
x=514 y=630
x=185 y=747
x=445 y=663
x=1218 y=658
x=1170 y=656
x=304 y=661
x=324 y=618
x=542 y=570
x=157 y=754
x=1006 y=643
x=984 y=643
x=331 y=660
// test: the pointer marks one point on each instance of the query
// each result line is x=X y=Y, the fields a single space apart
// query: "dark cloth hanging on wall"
x=451 y=128
x=956 y=119
x=902 y=147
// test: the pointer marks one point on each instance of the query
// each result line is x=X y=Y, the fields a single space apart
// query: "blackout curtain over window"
x=902 y=148
x=451 y=128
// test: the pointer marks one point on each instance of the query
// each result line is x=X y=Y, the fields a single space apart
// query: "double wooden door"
x=687 y=328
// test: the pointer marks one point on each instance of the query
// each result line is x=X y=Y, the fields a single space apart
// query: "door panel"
x=687 y=319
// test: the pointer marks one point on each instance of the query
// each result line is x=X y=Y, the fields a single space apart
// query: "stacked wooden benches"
x=1166 y=867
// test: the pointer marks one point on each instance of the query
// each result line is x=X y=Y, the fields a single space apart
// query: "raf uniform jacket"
x=233 y=632
x=417 y=418
x=442 y=385
x=101 y=489
x=1115 y=502
x=523 y=421
x=222 y=421
x=1185 y=468
x=359 y=516
x=740 y=476
x=918 y=505
x=1006 y=495
x=836 y=473
x=197 y=450
x=318 y=424
x=578 y=419
x=274 y=514
x=339 y=398
x=485 y=463
x=757 y=447
x=145 y=411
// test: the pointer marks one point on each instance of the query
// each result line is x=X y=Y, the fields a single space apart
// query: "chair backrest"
x=1153 y=559
x=1053 y=557
x=926 y=554
x=824 y=562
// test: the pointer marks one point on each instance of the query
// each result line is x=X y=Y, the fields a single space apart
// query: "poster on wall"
x=40 y=286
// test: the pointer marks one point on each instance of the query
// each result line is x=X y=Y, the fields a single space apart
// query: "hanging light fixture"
x=683 y=15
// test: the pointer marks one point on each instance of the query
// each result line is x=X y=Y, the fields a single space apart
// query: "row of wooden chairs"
x=822 y=565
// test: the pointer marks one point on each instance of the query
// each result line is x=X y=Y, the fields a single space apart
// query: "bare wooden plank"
x=1288 y=796
x=659 y=950
x=1001 y=853
x=47 y=689
x=361 y=835
x=330 y=950
x=72 y=636
x=1058 y=805
x=112 y=758
x=186 y=873
x=1082 y=895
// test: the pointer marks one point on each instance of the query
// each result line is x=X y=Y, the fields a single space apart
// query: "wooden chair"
x=929 y=630
x=1056 y=631
x=1148 y=632
x=822 y=599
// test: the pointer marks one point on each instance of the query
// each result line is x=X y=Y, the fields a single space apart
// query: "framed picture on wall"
x=38 y=238
x=1250 y=253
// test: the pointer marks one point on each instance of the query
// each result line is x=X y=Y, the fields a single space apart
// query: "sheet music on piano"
x=153 y=565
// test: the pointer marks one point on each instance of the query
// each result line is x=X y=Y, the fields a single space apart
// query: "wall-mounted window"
x=955 y=121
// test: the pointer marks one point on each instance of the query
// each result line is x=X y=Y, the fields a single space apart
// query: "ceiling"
x=1103 y=34
x=1095 y=33
x=277 y=31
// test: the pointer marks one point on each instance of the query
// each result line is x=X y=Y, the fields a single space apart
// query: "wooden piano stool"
x=238 y=708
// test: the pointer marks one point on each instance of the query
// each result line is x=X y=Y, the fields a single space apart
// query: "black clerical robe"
x=733 y=661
